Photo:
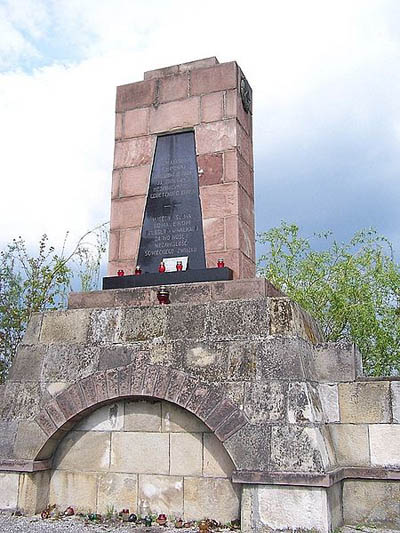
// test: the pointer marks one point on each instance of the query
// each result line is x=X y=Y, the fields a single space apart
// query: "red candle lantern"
x=138 y=270
x=163 y=295
x=179 y=266
x=161 y=268
x=220 y=263
x=121 y=272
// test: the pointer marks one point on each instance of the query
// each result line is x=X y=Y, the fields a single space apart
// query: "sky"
x=326 y=87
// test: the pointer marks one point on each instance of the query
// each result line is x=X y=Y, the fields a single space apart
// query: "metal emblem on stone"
x=172 y=225
x=246 y=94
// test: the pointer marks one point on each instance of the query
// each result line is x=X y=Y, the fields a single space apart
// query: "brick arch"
x=138 y=380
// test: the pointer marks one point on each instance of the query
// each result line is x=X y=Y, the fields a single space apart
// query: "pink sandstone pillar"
x=210 y=99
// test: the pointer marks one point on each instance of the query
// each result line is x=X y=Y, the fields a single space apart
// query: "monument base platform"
x=168 y=278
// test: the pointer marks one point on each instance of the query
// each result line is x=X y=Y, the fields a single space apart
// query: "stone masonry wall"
x=148 y=457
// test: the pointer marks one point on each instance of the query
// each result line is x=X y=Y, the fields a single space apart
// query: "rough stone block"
x=140 y=324
x=234 y=108
x=9 y=490
x=142 y=416
x=178 y=420
x=149 y=453
x=118 y=126
x=178 y=114
x=395 y=395
x=231 y=425
x=365 y=402
x=265 y=401
x=293 y=508
x=281 y=358
x=216 y=78
x=243 y=318
x=177 y=379
x=244 y=145
x=173 y=88
x=84 y=452
x=351 y=444
x=212 y=107
x=33 y=328
x=132 y=95
x=127 y=212
x=370 y=501
x=136 y=122
x=300 y=404
x=217 y=462
x=186 y=322
x=216 y=136
x=80 y=300
x=247 y=289
x=77 y=489
x=384 y=444
x=249 y=448
x=135 y=152
x=104 y=326
x=8 y=432
x=65 y=362
x=210 y=169
x=21 y=400
x=198 y=63
x=107 y=418
x=34 y=492
x=220 y=415
x=186 y=454
x=297 y=448
x=206 y=359
x=134 y=181
x=65 y=326
x=162 y=494
x=119 y=490
x=208 y=497
x=329 y=396
x=29 y=440
x=214 y=234
x=129 y=243
x=335 y=362
x=161 y=72
x=116 y=356
x=113 y=247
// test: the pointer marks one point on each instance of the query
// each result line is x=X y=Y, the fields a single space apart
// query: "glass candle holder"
x=121 y=272
x=161 y=268
x=179 y=266
x=220 y=263
x=138 y=270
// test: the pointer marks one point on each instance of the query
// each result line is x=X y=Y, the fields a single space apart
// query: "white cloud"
x=311 y=64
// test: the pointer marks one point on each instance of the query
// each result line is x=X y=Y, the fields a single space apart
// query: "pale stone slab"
x=65 y=326
x=34 y=491
x=395 y=392
x=77 y=489
x=143 y=453
x=84 y=452
x=283 y=507
x=370 y=501
x=328 y=394
x=178 y=420
x=385 y=445
x=364 y=402
x=107 y=418
x=186 y=454
x=211 y=498
x=160 y=494
x=9 y=490
x=351 y=444
x=119 y=490
x=142 y=416
x=217 y=462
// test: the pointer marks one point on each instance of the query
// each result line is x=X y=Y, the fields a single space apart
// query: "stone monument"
x=224 y=404
x=183 y=170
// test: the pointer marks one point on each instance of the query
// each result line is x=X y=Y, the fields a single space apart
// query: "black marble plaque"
x=172 y=225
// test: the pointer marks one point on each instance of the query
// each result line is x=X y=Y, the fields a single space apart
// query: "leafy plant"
x=32 y=283
x=352 y=289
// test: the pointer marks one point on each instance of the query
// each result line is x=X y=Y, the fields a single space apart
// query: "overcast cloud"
x=326 y=84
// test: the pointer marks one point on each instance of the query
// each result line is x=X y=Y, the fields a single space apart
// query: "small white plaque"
x=170 y=263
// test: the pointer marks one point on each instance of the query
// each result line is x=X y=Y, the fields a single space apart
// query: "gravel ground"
x=24 y=524
x=34 y=524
